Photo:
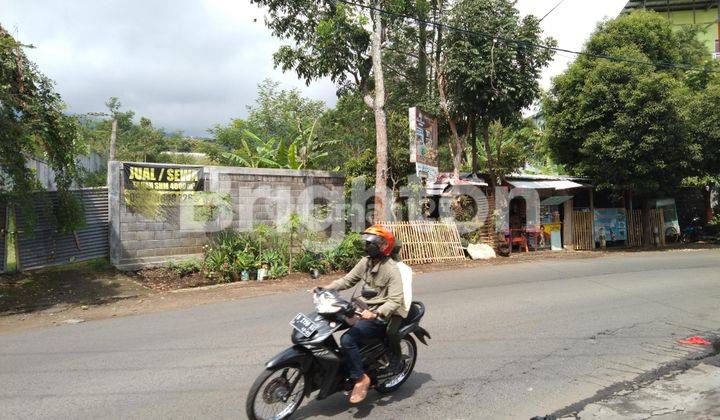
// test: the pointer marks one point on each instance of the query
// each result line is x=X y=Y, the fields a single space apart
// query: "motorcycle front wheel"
x=276 y=393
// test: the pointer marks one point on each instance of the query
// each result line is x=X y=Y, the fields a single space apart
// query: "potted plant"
x=244 y=262
x=262 y=272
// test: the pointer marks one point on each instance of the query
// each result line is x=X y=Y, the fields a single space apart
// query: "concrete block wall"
x=256 y=196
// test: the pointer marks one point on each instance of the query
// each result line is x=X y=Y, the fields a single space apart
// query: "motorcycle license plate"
x=304 y=325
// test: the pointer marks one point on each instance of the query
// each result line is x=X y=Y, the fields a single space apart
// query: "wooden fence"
x=657 y=224
x=637 y=236
x=583 y=233
x=634 y=228
x=427 y=241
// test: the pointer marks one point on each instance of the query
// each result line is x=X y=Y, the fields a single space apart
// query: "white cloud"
x=188 y=65
x=570 y=24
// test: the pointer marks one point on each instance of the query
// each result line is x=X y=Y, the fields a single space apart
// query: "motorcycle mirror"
x=314 y=273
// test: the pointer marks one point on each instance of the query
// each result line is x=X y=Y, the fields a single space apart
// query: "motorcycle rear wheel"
x=276 y=393
x=408 y=350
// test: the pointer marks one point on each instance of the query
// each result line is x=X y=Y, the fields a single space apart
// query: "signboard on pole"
x=424 y=143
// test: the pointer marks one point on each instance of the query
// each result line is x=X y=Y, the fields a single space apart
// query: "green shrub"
x=277 y=270
x=268 y=238
x=270 y=257
x=231 y=252
x=185 y=267
x=347 y=253
x=244 y=261
x=217 y=264
x=232 y=242
x=306 y=261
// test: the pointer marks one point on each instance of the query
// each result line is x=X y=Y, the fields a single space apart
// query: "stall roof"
x=557 y=182
x=546 y=185
x=444 y=180
x=555 y=200
x=669 y=5
x=538 y=177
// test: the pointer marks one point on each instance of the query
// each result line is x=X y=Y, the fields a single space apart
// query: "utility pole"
x=113 y=137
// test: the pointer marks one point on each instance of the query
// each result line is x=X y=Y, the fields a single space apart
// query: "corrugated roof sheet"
x=546 y=185
x=670 y=5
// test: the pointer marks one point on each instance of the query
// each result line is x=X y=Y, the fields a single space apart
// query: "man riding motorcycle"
x=382 y=277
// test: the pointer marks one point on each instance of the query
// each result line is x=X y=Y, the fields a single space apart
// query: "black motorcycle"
x=315 y=361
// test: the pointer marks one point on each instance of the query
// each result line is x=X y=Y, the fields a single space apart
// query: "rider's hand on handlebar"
x=368 y=315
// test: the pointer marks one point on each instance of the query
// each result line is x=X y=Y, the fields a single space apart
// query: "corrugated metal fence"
x=43 y=246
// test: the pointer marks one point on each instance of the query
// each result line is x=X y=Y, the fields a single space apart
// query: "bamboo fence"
x=634 y=228
x=657 y=224
x=583 y=233
x=427 y=241
x=637 y=236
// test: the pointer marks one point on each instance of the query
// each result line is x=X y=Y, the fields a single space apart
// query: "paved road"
x=509 y=341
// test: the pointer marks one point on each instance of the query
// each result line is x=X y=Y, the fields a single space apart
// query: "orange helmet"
x=377 y=231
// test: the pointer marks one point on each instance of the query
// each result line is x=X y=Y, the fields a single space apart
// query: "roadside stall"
x=553 y=227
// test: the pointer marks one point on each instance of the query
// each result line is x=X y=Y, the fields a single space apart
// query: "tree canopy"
x=490 y=69
x=280 y=131
x=136 y=141
x=33 y=125
x=623 y=123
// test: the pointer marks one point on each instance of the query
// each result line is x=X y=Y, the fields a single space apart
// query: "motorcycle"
x=315 y=362
x=694 y=232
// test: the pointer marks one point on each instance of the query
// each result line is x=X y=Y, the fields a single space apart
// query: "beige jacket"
x=385 y=277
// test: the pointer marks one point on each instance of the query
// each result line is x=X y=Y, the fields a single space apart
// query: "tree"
x=489 y=71
x=351 y=124
x=334 y=40
x=281 y=114
x=305 y=152
x=512 y=146
x=702 y=112
x=279 y=132
x=621 y=123
x=134 y=142
x=33 y=124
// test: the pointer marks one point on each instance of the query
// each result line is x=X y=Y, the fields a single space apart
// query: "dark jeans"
x=354 y=338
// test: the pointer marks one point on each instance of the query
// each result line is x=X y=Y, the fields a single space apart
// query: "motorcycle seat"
x=416 y=312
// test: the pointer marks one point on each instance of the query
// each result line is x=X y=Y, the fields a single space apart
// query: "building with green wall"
x=702 y=14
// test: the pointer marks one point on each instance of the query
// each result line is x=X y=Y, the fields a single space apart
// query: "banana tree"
x=304 y=152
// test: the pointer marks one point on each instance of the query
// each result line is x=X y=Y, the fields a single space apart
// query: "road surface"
x=509 y=341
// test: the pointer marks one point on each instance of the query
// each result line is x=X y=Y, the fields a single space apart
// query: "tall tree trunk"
x=457 y=148
x=473 y=143
x=422 y=79
x=646 y=222
x=492 y=181
x=444 y=104
x=707 y=199
x=457 y=158
x=378 y=105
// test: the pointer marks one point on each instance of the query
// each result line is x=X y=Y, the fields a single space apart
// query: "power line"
x=526 y=43
x=552 y=10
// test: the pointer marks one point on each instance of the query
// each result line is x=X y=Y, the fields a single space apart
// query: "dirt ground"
x=92 y=291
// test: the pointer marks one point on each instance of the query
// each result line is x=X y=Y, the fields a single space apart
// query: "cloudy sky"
x=190 y=64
